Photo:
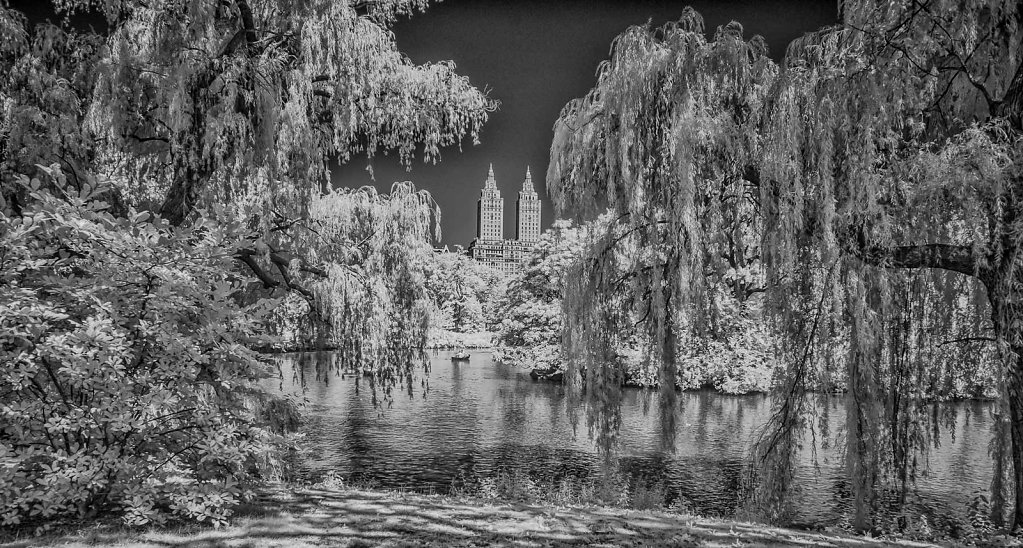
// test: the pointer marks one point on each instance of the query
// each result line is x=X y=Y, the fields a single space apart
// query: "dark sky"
x=534 y=56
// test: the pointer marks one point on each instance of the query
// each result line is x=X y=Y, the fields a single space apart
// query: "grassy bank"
x=353 y=518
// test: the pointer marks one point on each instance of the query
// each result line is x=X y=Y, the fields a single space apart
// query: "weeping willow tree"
x=230 y=112
x=872 y=178
x=375 y=308
x=667 y=140
x=893 y=143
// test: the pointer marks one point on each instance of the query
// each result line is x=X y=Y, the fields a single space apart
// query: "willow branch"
x=968 y=339
x=956 y=258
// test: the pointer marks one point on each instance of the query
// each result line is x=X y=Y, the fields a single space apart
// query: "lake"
x=480 y=418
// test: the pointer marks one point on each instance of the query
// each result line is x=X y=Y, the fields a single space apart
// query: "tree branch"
x=1010 y=106
x=281 y=260
x=957 y=258
x=269 y=282
x=248 y=24
x=283 y=264
x=968 y=339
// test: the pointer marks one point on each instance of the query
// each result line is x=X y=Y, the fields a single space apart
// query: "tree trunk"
x=669 y=376
x=1007 y=302
x=1007 y=316
x=189 y=168
x=1014 y=389
x=861 y=449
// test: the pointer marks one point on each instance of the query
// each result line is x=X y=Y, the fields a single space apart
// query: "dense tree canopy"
x=667 y=108
x=195 y=103
x=202 y=130
x=885 y=145
x=232 y=111
x=128 y=377
x=530 y=310
x=463 y=292
x=733 y=357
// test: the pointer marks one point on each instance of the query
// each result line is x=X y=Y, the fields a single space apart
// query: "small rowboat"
x=461 y=356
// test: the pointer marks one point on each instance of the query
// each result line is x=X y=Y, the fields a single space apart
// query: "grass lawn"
x=354 y=518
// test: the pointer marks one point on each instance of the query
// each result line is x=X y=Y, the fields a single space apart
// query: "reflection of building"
x=490 y=247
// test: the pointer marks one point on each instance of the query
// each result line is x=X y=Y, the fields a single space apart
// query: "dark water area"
x=482 y=418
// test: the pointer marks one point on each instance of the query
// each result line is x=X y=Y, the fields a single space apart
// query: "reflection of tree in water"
x=706 y=485
x=307 y=370
x=488 y=423
x=513 y=412
x=353 y=443
x=423 y=443
x=541 y=463
x=343 y=444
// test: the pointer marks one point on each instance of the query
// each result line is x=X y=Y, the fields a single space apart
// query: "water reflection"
x=482 y=417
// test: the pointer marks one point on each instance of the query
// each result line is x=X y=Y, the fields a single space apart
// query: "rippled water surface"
x=482 y=417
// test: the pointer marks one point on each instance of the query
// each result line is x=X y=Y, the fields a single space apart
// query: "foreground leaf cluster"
x=128 y=381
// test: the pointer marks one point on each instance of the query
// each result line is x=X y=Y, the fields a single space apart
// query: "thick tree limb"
x=179 y=200
x=281 y=260
x=246 y=36
x=248 y=24
x=1011 y=105
x=957 y=258
x=269 y=281
x=283 y=264
x=968 y=339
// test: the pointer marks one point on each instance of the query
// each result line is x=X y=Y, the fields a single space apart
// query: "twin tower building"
x=490 y=247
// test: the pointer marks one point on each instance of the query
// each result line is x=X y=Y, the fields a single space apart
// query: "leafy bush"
x=128 y=384
x=463 y=293
x=738 y=356
x=531 y=310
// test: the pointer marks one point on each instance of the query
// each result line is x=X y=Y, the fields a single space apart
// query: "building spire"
x=527 y=185
x=491 y=182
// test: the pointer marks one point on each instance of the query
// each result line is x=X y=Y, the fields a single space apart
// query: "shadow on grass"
x=369 y=518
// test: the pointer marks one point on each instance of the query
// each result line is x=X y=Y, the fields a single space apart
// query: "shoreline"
x=333 y=348
x=555 y=376
x=318 y=516
x=546 y=376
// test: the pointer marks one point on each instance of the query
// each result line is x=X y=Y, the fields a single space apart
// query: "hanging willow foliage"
x=274 y=89
x=889 y=144
x=228 y=113
x=885 y=150
x=373 y=302
x=666 y=139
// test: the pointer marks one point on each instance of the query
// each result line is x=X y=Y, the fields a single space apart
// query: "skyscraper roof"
x=491 y=182
x=527 y=185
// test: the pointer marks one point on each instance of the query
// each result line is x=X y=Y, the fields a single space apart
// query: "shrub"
x=127 y=383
